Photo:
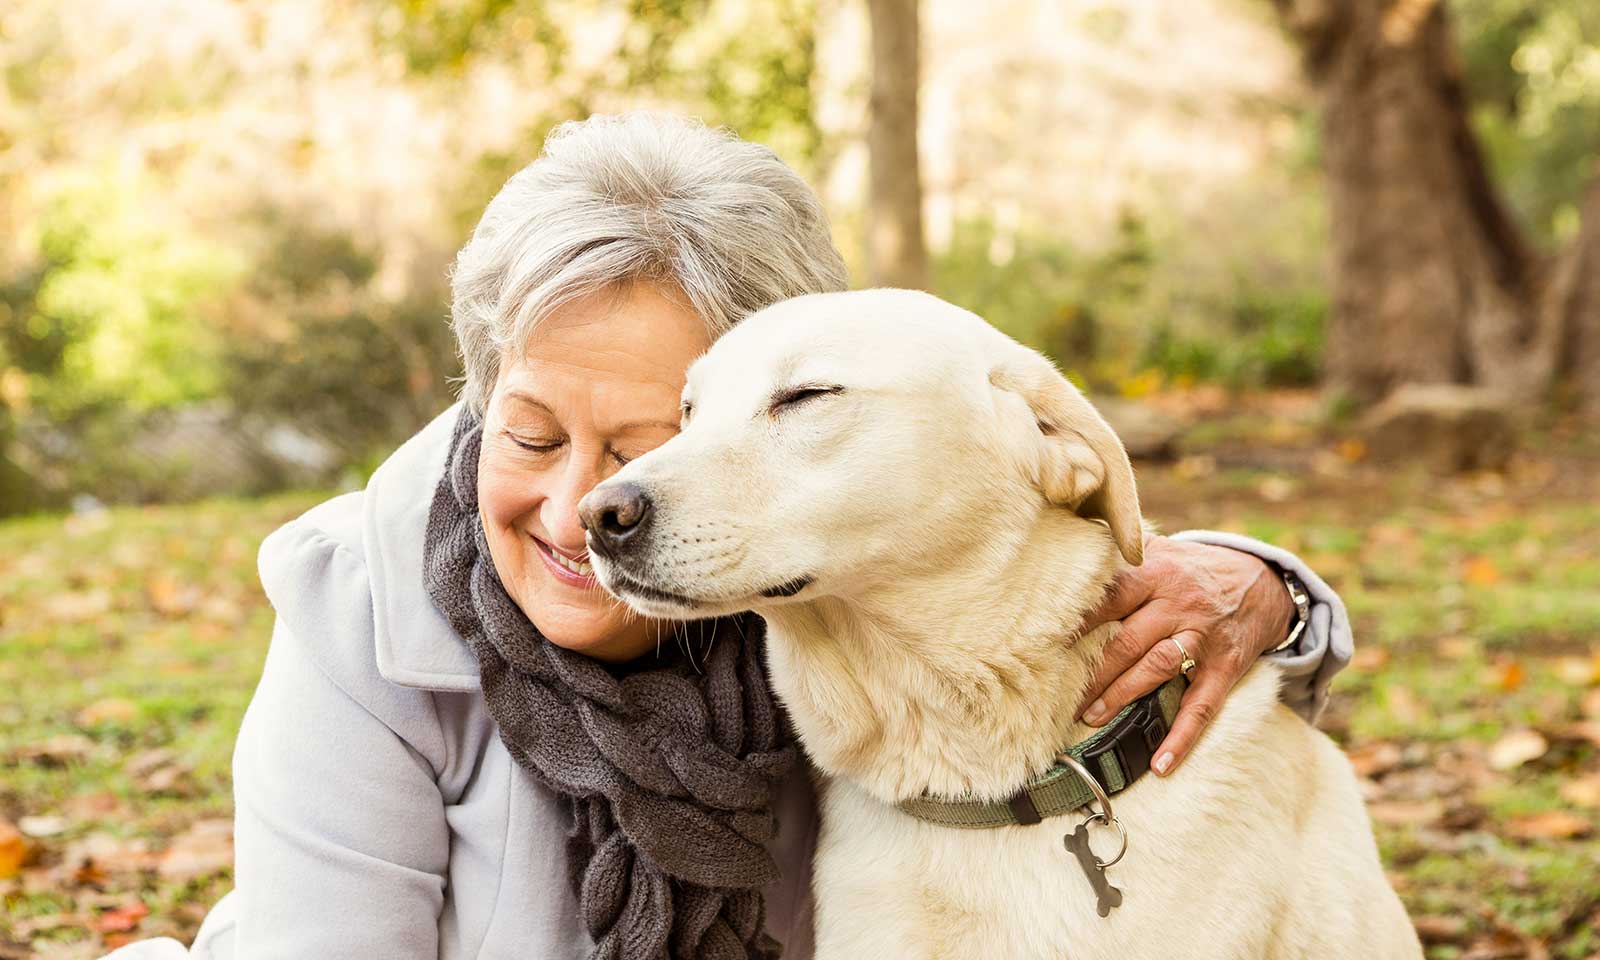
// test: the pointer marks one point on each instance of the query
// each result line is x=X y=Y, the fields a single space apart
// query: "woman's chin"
x=593 y=623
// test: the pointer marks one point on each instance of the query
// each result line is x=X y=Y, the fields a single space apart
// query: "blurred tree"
x=313 y=342
x=1435 y=279
x=1533 y=70
x=897 y=254
x=750 y=67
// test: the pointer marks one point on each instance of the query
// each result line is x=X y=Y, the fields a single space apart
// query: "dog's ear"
x=1082 y=464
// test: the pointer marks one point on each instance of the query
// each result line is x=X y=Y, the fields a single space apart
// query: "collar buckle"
x=1132 y=740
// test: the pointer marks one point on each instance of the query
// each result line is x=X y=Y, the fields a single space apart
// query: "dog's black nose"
x=614 y=515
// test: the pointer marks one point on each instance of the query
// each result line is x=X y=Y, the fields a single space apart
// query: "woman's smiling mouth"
x=575 y=571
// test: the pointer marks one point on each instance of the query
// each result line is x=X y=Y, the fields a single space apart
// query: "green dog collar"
x=1117 y=754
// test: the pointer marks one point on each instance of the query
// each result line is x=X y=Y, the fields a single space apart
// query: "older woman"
x=461 y=747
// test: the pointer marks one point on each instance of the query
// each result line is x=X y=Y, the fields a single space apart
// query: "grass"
x=135 y=638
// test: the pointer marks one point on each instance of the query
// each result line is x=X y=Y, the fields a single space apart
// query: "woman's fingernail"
x=1096 y=711
x=1164 y=762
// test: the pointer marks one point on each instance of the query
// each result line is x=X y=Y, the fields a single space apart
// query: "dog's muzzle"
x=616 y=518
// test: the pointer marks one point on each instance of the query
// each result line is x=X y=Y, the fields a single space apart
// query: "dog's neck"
x=963 y=682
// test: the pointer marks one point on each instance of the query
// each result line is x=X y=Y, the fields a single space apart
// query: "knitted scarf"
x=668 y=766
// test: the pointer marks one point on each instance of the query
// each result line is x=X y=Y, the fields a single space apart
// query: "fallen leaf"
x=1369 y=658
x=1579 y=671
x=42 y=826
x=1404 y=706
x=1516 y=748
x=1457 y=647
x=1589 y=704
x=1549 y=825
x=1503 y=943
x=1374 y=759
x=1461 y=816
x=1407 y=813
x=1436 y=929
x=1195 y=467
x=1584 y=731
x=1481 y=572
x=205 y=848
x=92 y=806
x=1582 y=792
x=1351 y=450
x=1275 y=489
x=56 y=751
x=121 y=919
x=224 y=608
x=88 y=873
x=76 y=606
x=111 y=710
x=13 y=849
x=1506 y=675
x=170 y=597
x=108 y=854
x=157 y=771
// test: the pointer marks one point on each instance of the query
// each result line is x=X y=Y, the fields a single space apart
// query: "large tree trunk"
x=897 y=255
x=1434 y=280
x=1573 y=305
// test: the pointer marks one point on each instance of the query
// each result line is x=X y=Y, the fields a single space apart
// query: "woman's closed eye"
x=544 y=447
x=791 y=397
x=535 y=444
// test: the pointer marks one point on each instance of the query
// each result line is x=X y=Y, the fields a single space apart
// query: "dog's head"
x=836 y=441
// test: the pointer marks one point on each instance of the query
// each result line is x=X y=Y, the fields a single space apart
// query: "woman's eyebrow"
x=530 y=400
x=624 y=427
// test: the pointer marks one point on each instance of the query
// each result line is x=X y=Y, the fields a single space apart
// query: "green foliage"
x=1534 y=74
x=1264 y=337
x=1129 y=309
x=314 y=342
x=113 y=313
x=750 y=67
x=436 y=35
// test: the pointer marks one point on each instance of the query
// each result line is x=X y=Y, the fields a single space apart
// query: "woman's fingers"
x=1135 y=662
x=1200 y=705
x=1129 y=591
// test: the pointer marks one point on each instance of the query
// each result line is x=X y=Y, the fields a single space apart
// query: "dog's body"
x=922 y=510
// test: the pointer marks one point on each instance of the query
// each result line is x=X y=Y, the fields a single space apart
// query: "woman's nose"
x=560 y=514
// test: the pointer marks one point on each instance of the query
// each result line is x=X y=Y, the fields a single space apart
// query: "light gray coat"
x=377 y=812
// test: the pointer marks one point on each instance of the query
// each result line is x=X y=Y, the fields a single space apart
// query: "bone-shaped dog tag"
x=1077 y=843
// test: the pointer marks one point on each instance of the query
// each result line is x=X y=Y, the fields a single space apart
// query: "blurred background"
x=1331 y=266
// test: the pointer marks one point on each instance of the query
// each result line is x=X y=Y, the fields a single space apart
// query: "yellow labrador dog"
x=920 y=508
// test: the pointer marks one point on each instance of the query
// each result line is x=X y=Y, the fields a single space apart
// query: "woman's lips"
x=561 y=566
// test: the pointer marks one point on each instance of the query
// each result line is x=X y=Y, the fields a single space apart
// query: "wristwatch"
x=1302 y=609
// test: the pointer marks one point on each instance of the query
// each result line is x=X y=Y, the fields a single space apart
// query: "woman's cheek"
x=506 y=492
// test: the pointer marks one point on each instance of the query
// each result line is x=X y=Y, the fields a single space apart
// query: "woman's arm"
x=341 y=843
x=1223 y=597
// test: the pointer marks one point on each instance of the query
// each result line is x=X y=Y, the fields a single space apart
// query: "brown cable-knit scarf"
x=669 y=767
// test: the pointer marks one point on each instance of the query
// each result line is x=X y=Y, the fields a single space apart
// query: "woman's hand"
x=1225 y=607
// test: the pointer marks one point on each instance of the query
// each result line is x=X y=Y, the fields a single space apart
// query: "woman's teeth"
x=580 y=567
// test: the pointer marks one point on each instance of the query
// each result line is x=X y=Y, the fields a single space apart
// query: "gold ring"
x=1188 y=661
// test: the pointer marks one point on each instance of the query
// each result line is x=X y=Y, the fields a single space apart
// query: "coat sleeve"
x=1326 y=644
x=341 y=842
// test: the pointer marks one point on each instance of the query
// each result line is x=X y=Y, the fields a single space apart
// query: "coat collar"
x=416 y=647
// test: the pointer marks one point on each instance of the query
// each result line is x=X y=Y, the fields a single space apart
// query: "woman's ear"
x=1082 y=463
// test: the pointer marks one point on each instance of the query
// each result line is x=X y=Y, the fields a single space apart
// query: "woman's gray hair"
x=636 y=196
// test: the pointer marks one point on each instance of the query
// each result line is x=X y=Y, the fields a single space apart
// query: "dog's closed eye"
x=790 y=397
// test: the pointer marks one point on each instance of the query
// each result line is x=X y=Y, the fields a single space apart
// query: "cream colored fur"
x=953 y=510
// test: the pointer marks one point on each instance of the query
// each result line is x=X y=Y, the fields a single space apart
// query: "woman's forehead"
x=624 y=350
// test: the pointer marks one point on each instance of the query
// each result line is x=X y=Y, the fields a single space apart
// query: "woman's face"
x=598 y=385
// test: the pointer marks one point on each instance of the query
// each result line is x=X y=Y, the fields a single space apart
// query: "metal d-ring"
x=1104 y=814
